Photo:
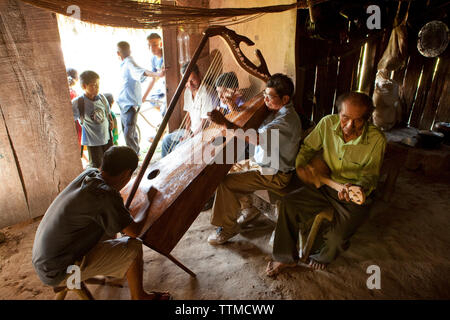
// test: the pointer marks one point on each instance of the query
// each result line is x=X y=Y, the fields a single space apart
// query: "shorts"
x=110 y=258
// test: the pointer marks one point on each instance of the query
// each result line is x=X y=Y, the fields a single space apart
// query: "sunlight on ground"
x=91 y=47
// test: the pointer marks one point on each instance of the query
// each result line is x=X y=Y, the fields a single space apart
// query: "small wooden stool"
x=275 y=197
x=326 y=214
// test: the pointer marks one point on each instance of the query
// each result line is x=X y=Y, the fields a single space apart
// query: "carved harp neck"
x=234 y=40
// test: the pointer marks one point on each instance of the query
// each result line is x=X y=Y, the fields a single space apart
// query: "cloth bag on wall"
x=386 y=98
x=394 y=57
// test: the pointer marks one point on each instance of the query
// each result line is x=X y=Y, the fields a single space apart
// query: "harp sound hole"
x=153 y=174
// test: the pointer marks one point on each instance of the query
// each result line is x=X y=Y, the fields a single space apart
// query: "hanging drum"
x=433 y=39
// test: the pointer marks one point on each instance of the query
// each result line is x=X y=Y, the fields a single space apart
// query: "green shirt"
x=357 y=162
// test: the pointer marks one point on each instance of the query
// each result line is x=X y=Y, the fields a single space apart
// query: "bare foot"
x=316 y=265
x=275 y=267
x=155 y=295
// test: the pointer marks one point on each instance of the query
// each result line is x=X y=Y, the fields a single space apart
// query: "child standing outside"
x=72 y=78
x=93 y=112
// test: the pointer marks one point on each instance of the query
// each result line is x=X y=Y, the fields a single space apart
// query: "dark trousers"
x=129 y=120
x=297 y=211
x=96 y=154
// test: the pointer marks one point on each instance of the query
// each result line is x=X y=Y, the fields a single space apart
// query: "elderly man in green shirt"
x=353 y=149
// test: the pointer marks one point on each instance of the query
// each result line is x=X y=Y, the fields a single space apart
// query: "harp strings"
x=229 y=89
x=206 y=88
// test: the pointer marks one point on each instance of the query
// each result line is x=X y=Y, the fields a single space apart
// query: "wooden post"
x=172 y=70
x=39 y=145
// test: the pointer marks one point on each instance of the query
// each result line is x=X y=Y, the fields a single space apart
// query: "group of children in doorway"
x=95 y=122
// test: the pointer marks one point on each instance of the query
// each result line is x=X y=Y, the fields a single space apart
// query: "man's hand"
x=217 y=117
x=161 y=74
x=344 y=194
x=189 y=134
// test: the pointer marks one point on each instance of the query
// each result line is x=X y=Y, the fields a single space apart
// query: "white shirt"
x=198 y=107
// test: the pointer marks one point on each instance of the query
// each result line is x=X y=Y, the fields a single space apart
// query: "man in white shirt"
x=197 y=103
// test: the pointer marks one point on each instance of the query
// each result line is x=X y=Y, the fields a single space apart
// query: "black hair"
x=360 y=98
x=110 y=98
x=118 y=159
x=227 y=80
x=88 y=77
x=72 y=76
x=71 y=72
x=194 y=68
x=282 y=84
x=153 y=36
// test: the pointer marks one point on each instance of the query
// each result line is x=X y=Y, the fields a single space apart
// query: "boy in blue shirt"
x=130 y=96
x=93 y=112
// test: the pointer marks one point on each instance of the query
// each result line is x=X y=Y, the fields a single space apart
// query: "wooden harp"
x=173 y=190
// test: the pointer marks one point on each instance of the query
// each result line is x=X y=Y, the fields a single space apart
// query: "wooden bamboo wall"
x=324 y=71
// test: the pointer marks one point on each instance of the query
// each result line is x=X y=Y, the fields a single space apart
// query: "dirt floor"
x=408 y=239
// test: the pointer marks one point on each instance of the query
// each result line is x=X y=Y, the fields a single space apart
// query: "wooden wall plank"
x=434 y=94
x=347 y=72
x=410 y=82
x=370 y=71
x=306 y=70
x=35 y=100
x=308 y=76
x=325 y=89
x=13 y=204
x=422 y=92
x=443 y=109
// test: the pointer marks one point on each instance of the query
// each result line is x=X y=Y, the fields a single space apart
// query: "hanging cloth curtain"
x=147 y=15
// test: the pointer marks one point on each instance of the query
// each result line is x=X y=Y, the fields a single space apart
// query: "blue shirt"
x=159 y=87
x=157 y=63
x=279 y=154
x=226 y=110
x=95 y=127
x=131 y=76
